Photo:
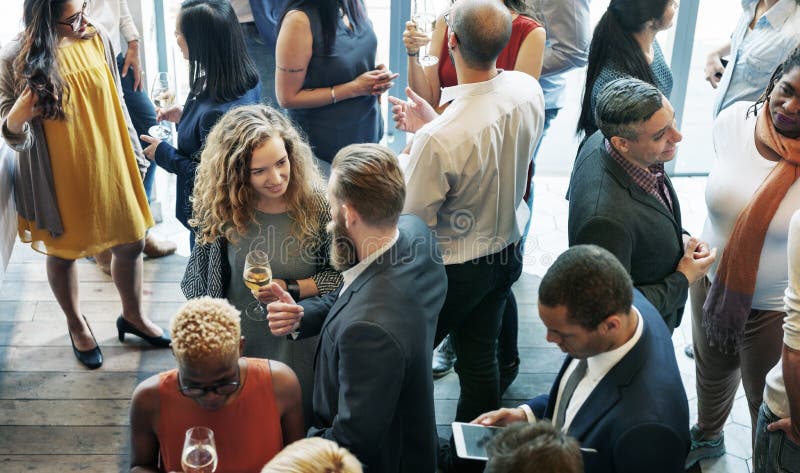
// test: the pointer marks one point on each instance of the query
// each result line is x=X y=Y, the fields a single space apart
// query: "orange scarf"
x=729 y=301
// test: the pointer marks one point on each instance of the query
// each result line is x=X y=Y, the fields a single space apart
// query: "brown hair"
x=368 y=178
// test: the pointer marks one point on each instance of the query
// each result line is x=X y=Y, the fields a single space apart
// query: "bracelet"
x=333 y=96
x=410 y=54
x=293 y=289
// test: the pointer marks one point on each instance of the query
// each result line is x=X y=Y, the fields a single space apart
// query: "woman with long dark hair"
x=624 y=44
x=77 y=187
x=221 y=76
x=326 y=75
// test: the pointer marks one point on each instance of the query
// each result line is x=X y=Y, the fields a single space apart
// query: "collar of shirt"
x=599 y=365
x=775 y=16
x=478 y=88
x=648 y=179
x=350 y=275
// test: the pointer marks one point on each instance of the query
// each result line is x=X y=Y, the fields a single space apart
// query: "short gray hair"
x=483 y=28
x=623 y=103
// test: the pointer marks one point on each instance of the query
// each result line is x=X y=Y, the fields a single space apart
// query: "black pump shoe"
x=123 y=327
x=91 y=359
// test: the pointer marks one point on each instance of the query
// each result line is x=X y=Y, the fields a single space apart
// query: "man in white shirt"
x=619 y=392
x=465 y=171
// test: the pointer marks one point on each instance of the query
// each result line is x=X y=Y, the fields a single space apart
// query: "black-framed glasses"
x=223 y=389
x=450 y=25
x=75 y=21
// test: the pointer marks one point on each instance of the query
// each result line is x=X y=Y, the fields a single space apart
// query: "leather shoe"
x=154 y=248
x=443 y=358
x=91 y=359
x=123 y=327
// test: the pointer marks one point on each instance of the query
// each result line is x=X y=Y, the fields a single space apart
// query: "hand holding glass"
x=199 y=451
x=425 y=20
x=163 y=95
x=257 y=273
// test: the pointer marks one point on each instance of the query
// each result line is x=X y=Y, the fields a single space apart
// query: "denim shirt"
x=755 y=54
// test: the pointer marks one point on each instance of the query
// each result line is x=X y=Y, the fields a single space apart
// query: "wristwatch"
x=293 y=289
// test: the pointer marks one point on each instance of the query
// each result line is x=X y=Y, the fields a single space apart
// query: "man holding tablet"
x=619 y=392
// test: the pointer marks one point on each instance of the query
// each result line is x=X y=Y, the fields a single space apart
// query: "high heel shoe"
x=123 y=327
x=91 y=359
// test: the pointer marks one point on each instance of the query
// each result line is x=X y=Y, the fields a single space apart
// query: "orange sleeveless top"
x=247 y=431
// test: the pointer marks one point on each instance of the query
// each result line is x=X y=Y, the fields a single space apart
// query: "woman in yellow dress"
x=77 y=185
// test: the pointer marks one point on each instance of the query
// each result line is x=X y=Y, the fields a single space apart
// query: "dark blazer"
x=373 y=388
x=637 y=418
x=267 y=15
x=200 y=114
x=607 y=208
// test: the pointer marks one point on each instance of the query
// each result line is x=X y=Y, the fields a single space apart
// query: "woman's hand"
x=374 y=82
x=266 y=295
x=171 y=114
x=413 y=39
x=23 y=111
x=152 y=144
x=714 y=69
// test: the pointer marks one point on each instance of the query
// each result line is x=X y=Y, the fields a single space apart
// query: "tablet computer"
x=471 y=440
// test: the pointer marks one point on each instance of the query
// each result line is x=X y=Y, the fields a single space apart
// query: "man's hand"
x=786 y=426
x=411 y=115
x=283 y=315
x=696 y=259
x=501 y=417
x=134 y=64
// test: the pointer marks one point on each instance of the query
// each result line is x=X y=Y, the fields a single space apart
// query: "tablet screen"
x=471 y=439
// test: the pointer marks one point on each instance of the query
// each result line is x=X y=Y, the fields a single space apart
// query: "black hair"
x=329 y=13
x=791 y=61
x=613 y=45
x=590 y=282
x=219 y=65
x=625 y=102
x=533 y=448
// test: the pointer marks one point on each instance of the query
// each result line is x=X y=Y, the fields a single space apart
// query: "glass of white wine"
x=163 y=95
x=425 y=20
x=199 y=451
x=257 y=273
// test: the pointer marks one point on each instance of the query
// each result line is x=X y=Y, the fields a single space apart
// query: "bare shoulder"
x=145 y=397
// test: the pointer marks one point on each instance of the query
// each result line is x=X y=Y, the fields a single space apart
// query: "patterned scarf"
x=730 y=298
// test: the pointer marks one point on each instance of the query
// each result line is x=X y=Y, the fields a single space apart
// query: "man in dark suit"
x=620 y=198
x=619 y=392
x=373 y=387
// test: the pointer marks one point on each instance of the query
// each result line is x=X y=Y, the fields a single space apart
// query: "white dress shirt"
x=467 y=169
x=115 y=17
x=597 y=367
x=350 y=275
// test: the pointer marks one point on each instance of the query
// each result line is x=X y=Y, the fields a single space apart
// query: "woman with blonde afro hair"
x=258 y=188
x=313 y=455
x=253 y=406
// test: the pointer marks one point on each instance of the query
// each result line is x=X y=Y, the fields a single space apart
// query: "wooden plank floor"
x=57 y=416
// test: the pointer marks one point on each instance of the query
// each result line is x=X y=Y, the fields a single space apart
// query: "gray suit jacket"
x=608 y=209
x=373 y=389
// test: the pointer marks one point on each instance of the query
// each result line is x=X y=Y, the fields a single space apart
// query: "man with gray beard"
x=373 y=386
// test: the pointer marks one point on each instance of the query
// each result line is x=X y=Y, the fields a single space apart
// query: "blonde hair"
x=205 y=328
x=313 y=455
x=224 y=202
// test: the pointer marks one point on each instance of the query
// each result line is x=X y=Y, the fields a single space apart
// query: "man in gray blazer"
x=373 y=387
x=621 y=199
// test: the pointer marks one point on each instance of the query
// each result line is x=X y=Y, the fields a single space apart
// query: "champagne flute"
x=425 y=21
x=163 y=95
x=257 y=273
x=199 y=451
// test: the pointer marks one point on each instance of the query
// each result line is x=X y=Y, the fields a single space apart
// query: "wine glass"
x=163 y=95
x=199 y=451
x=257 y=273
x=425 y=21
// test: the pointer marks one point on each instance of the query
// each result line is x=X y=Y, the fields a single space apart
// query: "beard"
x=343 y=250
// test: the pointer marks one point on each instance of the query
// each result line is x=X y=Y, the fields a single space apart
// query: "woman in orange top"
x=253 y=406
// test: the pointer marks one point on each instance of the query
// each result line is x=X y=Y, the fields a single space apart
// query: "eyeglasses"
x=75 y=21
x=450 y=26
x=222 y=389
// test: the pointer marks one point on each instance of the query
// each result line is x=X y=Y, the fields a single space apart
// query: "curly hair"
x=205 y=328
x=224 y=202
x=313 y=455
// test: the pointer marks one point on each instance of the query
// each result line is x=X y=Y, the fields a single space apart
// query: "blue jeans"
x=773 y=451
x=143 y=116
x=264 y=57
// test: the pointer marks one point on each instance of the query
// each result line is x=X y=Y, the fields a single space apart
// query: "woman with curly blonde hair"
x=257 y=188
x=313 y=455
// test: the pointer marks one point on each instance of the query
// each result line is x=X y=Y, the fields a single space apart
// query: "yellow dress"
x=98 y=187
